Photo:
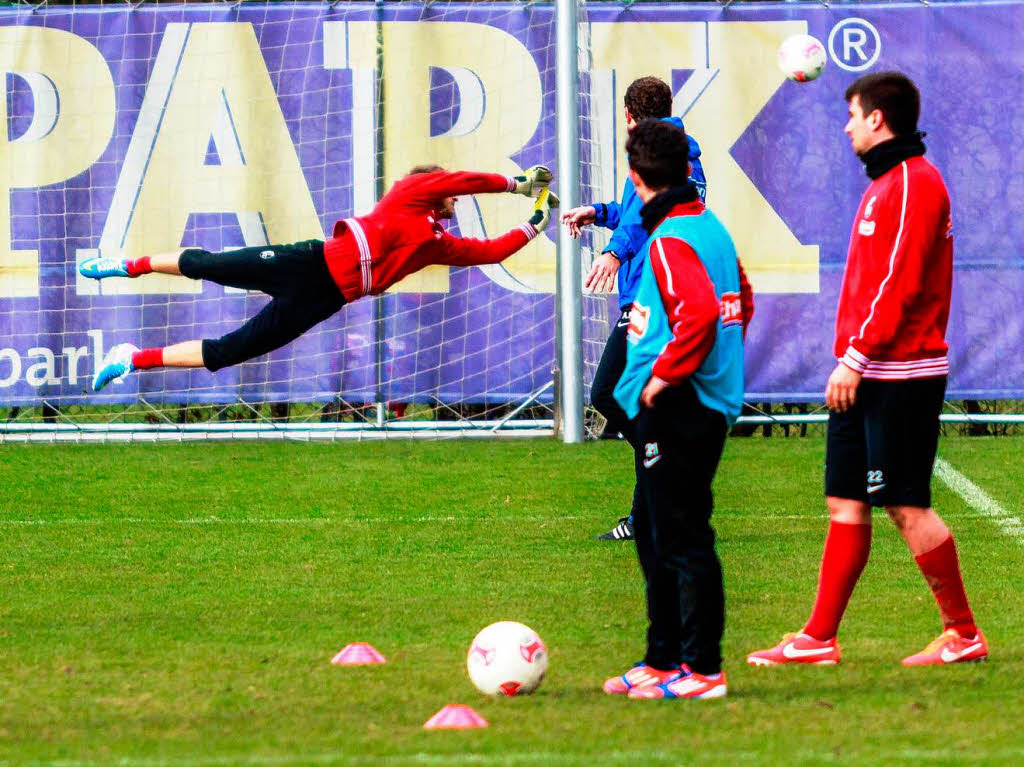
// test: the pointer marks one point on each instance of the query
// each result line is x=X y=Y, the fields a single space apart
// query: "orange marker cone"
x=357 y=654
x=455 y=717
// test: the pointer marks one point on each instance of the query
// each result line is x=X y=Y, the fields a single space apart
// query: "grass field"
x=177 y=605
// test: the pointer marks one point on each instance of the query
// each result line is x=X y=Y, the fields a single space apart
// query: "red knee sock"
x=941 y=568
x=846 y=552
x=148 y=358
x=137 y=266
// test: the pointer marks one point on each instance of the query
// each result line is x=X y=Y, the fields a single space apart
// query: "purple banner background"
x=480 y=342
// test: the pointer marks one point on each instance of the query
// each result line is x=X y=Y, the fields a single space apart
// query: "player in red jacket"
x=886 y=392
x=310 y=281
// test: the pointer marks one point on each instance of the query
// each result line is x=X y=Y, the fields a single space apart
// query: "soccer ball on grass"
x=507 y=658
x=801 y=58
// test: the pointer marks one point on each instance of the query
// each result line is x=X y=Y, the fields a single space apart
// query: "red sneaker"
x=798 y=648
x=641 y=675
x=688 y=684
x=950 y=647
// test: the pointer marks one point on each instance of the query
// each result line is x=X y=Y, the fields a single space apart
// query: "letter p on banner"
x=72 y=122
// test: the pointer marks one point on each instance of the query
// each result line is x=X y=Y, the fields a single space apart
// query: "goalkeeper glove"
x=533 y=181
x=542 y=211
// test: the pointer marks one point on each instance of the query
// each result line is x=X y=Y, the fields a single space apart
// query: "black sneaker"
x=623 y=531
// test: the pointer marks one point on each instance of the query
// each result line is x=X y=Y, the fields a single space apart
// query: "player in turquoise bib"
x=682 y=387
x=719 y=379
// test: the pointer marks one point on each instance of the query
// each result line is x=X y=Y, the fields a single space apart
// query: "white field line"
x=241 y=521
x=979 y=500
x=343 y=758
x=909 y=756
x=312 y=521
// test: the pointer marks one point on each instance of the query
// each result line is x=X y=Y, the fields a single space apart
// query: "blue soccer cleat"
x=118 y=364
x=99 y=267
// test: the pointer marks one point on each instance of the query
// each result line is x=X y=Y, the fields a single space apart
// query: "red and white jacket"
x=401 y=235
x=894 y=304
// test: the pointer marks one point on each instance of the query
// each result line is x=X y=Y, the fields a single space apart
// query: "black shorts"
x=295 y=276
x=882 y=450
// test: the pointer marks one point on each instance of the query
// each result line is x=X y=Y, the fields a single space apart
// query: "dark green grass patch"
x=177 y=605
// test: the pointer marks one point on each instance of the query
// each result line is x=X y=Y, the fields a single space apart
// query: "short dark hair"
x=659 y=152
x=427 y=168
x=648 y=97
x=894 y=94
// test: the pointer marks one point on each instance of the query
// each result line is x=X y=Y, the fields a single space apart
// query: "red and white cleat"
x=798 y=648
x=640 y=675
x=950 y=647
x=687 y=685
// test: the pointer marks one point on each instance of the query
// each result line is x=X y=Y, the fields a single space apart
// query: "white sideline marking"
x=913 y=755
x=260 y=521
x=979 y=500
x=344 y=758
x=140 y=521
x=322 y=521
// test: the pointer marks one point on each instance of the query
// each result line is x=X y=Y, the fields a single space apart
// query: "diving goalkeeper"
x=310 y=281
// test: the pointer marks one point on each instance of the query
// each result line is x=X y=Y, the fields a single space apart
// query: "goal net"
x=146 y=128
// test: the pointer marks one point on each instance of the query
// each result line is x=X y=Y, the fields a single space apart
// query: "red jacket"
x=894 y=304
x=401 y=235
x=693 y=308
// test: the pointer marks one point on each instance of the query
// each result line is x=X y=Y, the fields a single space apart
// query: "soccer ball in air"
x=507 y=658
x=801 y=58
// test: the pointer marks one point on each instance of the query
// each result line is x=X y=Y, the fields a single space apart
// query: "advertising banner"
x=140 y=131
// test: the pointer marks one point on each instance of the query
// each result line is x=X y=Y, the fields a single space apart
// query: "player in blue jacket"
x=645 y=98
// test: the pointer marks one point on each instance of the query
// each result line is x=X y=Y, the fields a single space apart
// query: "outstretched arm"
x=465 y=251
x=458 y=251
x=430 y=188
x=600 y=213
x=607 y=214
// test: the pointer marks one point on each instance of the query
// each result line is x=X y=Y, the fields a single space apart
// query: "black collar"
x=885 y=156
x=658 y=206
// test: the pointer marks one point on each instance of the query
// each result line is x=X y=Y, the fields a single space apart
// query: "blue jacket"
x=629 y=236
x=719 y=379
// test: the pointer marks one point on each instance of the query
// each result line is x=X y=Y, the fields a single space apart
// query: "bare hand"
x=841 y=390
x=652 y=389
x=602 y=274
x=577 y=217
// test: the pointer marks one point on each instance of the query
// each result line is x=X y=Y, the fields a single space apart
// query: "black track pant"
x=303 y=294
x=602 y=390
x=609 y=371
x=678 y=444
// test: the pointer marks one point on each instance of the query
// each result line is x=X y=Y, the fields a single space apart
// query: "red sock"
x=846 y=552
x=941 y=568
x=137 y=266
x=148 y=358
